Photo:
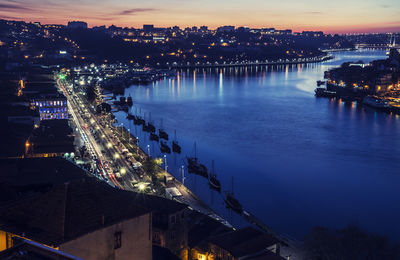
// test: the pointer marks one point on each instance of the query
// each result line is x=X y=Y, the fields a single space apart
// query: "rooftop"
x=244 y=242
x=68 y=211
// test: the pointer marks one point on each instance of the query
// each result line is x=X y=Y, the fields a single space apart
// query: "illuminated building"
x=51 y=108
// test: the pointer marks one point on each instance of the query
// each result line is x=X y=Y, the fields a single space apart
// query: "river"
x=298 y=161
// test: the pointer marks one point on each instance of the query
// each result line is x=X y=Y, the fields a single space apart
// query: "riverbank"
x=286 y=149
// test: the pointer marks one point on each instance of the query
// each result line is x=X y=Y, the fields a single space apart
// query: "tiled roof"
x=202 y=227
x=69 y=211
x=243 y=242
x=158 y=204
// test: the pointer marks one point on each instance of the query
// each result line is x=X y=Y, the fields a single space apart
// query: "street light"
x=165 y=162
x=122 y=170
x=141 y=187
x=148 y=150
x=109 y=145
x=137 y=145
x=116 y=155
x=183 y=175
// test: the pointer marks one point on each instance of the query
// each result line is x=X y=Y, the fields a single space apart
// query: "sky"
x=334 y=16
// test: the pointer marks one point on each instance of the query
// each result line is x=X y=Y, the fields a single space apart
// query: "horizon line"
x=385 y=30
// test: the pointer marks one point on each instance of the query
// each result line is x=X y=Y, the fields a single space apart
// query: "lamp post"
x=148 y=150
x=137 y=145
x=183 y=175
x=165 y=162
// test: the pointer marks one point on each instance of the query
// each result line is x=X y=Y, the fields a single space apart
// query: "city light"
x=141 y=186
x=109 y=145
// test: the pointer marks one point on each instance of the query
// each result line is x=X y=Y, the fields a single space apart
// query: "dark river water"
x=298 y=161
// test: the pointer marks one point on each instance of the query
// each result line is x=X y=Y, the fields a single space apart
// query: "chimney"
x=102 y=220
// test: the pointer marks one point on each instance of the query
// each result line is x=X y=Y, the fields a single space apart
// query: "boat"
x=375 y=102
x=151 y=127
x=163 y=134
x=136 y=120
x=213 y=181
x=323 y=92
x=195 y=167
x=175 y=146
x=320 y=82
x=130 y=117
x=154 y=137
x=164 y=148
x=232 y=202
x=141 y=121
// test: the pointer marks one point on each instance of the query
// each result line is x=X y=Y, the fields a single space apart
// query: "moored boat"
x=130 y=117
x=163 y=134
x=323 y=92
x=164 y=148
x=233 y=203
x=213 y=181
x=175 y=146
x=154 y=137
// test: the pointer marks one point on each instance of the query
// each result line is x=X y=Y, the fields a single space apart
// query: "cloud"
x=7 y=17
x=385 y=6
x=13 y=7
x=136 y=10
x=314 y=12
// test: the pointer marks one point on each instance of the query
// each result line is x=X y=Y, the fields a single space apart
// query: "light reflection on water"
x=298 y=161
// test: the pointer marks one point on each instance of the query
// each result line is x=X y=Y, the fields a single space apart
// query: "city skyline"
x=339 y=17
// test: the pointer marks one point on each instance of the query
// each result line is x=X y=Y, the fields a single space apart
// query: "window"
x=117 y=240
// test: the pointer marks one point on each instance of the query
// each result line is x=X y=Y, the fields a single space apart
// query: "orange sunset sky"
x=338 y=16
